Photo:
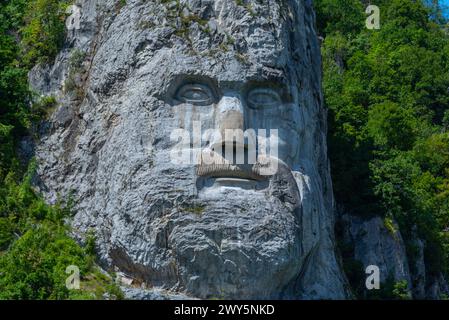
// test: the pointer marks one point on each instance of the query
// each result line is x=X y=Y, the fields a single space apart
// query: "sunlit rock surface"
x=380 y=244
x=134 y=73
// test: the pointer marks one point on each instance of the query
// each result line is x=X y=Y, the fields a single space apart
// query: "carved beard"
x=235 y=241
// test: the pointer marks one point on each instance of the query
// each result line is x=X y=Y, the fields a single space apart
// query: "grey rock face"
x=156 y=294
x=438 y=288
x=426 y=285
x=150 y=67
x=419 y=271
x=375 y=244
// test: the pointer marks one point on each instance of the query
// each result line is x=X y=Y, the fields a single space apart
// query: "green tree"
x=386 y=91
x=35 y=247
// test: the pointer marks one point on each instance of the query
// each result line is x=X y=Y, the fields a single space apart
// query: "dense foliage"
x=387 y=91
x=35 y=248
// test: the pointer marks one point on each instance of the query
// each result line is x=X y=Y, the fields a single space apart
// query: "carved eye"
x=196 y=94
x=263 y=98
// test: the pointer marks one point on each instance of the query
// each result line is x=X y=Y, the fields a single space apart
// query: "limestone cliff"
x=132 y=74
x=378 y=241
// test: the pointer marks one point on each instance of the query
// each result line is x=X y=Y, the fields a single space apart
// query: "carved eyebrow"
x=280 y=87
x=275 y=78
x=182 y=79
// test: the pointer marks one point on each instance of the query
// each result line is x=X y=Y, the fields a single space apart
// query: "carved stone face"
x=208 y=230
x=237 y=134
x=234 y=229
x=237 y=223
x=228 y=230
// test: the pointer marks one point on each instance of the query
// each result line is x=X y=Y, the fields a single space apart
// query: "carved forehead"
x=229 y=40
x=250 y=31
x=229 y=69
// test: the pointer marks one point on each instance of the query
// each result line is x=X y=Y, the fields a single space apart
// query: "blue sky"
x=445 y=6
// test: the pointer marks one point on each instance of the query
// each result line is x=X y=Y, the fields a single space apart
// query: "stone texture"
x=418 y=271
x=108 y=146
x=153 y=294
x=437 y=288
x=375 y=244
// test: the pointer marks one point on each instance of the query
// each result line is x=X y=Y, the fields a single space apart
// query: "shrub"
x=44 y=30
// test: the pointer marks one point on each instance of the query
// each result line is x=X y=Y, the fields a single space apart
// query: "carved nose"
x=232 y=144
x=230 y=125
x=230 y=120
x=230 y=113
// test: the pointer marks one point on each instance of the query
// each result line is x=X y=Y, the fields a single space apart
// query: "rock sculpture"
x=154 y=67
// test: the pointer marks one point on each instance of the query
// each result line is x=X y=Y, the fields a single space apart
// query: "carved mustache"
x=220 y=167
x=229 y=170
